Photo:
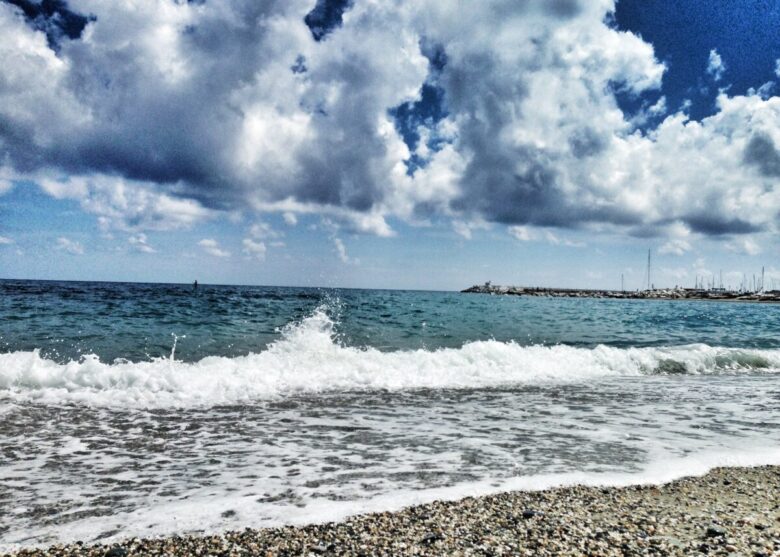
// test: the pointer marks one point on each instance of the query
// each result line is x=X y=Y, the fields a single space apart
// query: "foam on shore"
x=202 y=516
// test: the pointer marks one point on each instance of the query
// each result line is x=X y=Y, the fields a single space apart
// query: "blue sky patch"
x=53 y=18
x=744 y=34
x=326 y=16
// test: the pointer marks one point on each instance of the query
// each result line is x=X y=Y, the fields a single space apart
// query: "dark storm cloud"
x=563 y=8
x=716 y=224
x=17 y=145
x=495 y=189
x=532 y=195
x=340 y=172
x=762 y=153
x=529 y=196
x=586 y=142
x=502 y=182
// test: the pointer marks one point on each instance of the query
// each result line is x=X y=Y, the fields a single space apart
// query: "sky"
x=432 y=144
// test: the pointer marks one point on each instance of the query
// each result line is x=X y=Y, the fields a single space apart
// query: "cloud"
x=744 y=246
x=528 y=234
x=4 y=241
x=522 y=233
x=253 y=249
x=765 y=91
x=211 y=247
x=777 y=67
x=465 y=229
x=762 y=153
x=341 y=250
x=367 y=114
x=70 y=246
x=263 y=230
x=5 y=185
x=675 y=247
x=127 y=205
x=556 y=241
x=715 y=65
x=139 y=243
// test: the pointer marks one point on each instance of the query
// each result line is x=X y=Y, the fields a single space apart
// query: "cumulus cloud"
x=127 y=205
x=69 y=246
x=4 y=241
x=157 y=117
x=715 y=65
x=212 y=247
x=254 y=249
x=139 y=243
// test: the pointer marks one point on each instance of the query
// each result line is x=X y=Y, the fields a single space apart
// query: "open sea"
x=149 y=409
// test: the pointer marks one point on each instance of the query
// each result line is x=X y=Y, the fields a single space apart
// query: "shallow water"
x=293 y=405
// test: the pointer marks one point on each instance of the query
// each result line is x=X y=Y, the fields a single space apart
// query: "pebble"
x=715 y=531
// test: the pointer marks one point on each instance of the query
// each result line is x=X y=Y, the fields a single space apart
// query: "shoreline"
x=772 y=296
x=726 y=511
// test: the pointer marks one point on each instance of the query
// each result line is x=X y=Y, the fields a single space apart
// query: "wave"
x=307 y=359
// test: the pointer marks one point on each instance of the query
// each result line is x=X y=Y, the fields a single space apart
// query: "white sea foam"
x=308 y=359
x=204 y=512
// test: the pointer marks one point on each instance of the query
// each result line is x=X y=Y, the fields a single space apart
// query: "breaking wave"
x=307 y=359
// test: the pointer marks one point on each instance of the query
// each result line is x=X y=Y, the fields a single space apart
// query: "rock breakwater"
x=653 y=294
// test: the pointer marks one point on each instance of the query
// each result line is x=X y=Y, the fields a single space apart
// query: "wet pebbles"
x=730 y=511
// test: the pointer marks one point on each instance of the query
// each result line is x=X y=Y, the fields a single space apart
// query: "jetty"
x=677 y=293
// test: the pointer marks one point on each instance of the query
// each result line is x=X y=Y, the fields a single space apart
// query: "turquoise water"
x=139 y=409
x=67 y=320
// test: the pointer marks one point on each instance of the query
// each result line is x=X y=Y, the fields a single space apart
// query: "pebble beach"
x=729 y=511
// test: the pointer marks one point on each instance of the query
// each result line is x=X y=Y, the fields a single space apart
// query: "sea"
x=158 y=409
